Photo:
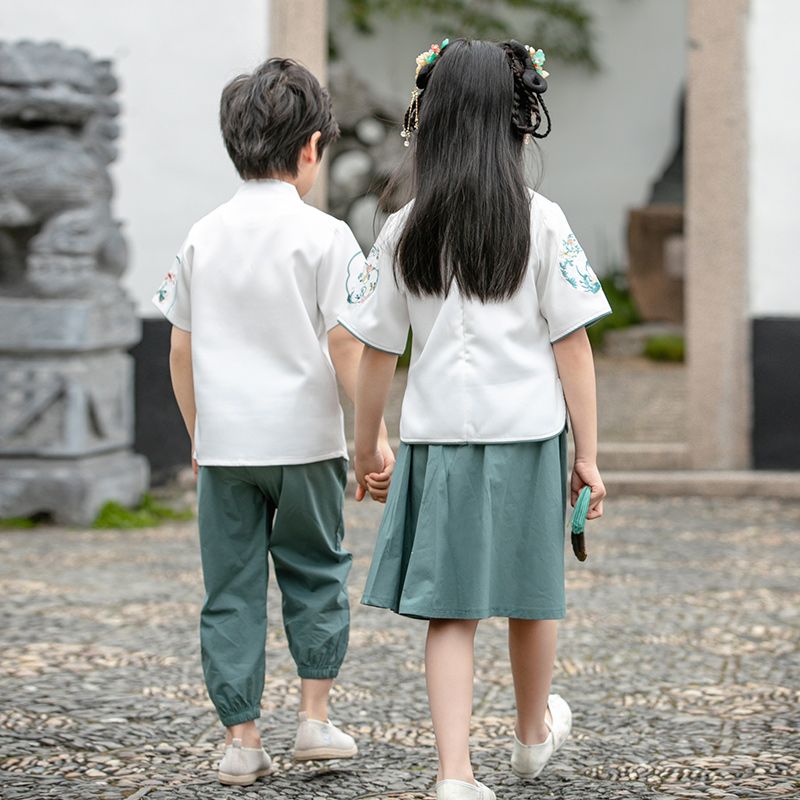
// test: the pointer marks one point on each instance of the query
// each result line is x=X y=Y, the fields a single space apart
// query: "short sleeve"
x=376 y=310
x=342 y=256
x=173 y=298
x=570 y=295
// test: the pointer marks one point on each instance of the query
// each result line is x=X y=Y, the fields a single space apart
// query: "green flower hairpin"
x=537 y=59
x=429 y=56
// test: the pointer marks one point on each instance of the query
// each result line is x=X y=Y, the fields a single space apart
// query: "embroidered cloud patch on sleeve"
x=362 y=276
x=575 y=268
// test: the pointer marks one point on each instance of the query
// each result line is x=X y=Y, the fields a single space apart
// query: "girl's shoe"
x=317 y=740
x=241 y=766
x=460 y=790
x=528 y=760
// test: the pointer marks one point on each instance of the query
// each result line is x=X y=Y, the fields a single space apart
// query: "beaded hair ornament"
x=527 y=66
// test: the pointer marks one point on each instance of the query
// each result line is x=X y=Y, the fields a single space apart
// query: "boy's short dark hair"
x=268 y=116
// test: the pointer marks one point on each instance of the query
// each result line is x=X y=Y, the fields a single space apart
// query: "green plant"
x=669 y=347
x=561 y=27
x=147 y=514
x=17 y=523
x=624 y=313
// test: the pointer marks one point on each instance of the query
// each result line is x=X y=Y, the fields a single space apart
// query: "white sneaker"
x=317 y=740
x=528 y=760
x=460 y=790
x=241 y=766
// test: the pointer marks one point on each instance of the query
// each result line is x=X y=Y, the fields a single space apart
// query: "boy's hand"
x=194 y=462
x=585 y=473
x=378 y=483
x=374 y=472
x=367 y=465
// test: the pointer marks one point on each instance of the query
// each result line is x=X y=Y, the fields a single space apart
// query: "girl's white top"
x=480 y=372
x=259 y=282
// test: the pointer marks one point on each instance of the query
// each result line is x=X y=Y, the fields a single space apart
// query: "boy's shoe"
x=460 y=790
x=528 y=760
x=317 y=740
x=241 y=766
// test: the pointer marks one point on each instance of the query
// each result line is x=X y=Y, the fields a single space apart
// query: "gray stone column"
x=718 y=331
x=298 y=29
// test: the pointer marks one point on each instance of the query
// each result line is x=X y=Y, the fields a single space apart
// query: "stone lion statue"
x=57 y=132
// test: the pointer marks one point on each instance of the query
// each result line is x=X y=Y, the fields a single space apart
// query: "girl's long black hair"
x=470 y=221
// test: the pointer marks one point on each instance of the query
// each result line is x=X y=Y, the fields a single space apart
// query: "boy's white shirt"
x=259 y=282
x=481 y=373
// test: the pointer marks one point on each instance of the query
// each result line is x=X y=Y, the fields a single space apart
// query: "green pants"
x=295 y=513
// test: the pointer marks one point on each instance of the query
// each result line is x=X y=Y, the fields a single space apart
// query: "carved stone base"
x=65 y=380
x=71 y=490
x=72 y=325
x=66 y=407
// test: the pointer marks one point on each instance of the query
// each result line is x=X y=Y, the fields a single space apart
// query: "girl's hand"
x=585 y=473
x=194 y=462
x=367 y=465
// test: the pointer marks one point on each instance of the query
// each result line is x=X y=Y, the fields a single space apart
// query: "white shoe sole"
x=529 y=776
x=243 y=780
x=324 y=754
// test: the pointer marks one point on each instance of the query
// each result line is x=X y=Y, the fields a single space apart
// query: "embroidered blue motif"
x=575 y=268
x=362 y=276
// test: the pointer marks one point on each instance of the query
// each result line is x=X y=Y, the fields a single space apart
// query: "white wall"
x=774 y=129
x=613 y=132
x=172 y=58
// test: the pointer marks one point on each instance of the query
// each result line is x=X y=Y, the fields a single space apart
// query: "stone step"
x=703 y=483
x=633 y=456
x=660 y=470
x=693 y=483
x=631 y=342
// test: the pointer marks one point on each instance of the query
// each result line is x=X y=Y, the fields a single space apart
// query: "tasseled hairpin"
x=424 y=62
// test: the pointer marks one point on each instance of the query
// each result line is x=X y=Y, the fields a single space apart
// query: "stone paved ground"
x=679 y=656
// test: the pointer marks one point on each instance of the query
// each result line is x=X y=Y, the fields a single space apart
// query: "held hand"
x=194 y=463
x=378 y=484
x=365 y=465
x=585 y=473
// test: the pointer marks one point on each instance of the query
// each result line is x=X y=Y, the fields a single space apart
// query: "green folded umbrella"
x=579 y=523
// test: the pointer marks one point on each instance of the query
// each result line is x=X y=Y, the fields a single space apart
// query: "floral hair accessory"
x=537 y=59
x=426 y=59
x=429 y=56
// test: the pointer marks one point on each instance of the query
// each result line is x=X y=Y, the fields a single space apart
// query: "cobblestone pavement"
x=679 y=657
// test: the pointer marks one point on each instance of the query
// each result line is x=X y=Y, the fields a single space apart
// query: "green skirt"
x=473 y=531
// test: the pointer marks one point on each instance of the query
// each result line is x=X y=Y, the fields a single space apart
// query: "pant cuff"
x=254 y=712
x=318 y=673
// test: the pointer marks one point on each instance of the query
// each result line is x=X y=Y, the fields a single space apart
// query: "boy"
x=253 y=298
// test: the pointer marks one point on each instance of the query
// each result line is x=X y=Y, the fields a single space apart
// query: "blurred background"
x=673 y=154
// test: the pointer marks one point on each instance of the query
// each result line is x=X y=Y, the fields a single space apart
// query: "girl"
x=497 y=292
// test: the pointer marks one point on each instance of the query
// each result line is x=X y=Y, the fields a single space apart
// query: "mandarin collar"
x=268 y=187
